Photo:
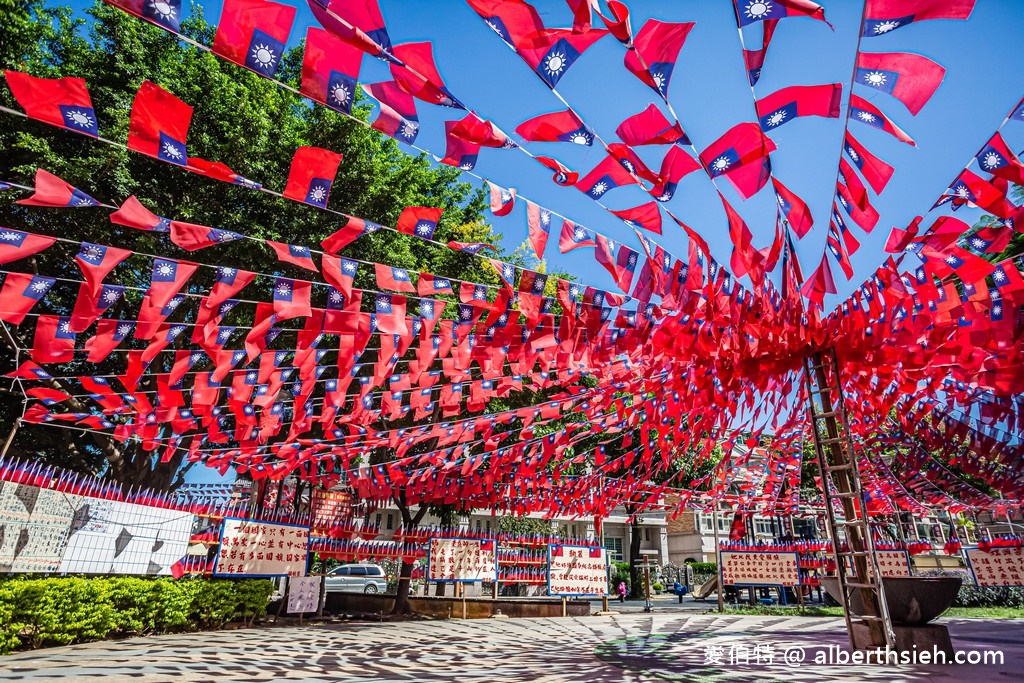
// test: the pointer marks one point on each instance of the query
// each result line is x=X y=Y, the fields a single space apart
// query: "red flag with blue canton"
x=538 y=220
x=340 y=272
x=159 y=124
x=420 y=221
x=787 y=104
x=742 y=145
x=750 y=11
x=754 y=59
x=563 y=176
x=330 y=70
x=134 y=215
x=793 y=208
x=458 y=152
x=164 y=13
x=503 y=200
x=910 y=78
x=819 y=283
x=876 y=172
x=884 y=16
x=429 y=285
x=833 y=245
x=512 y=20
x=970 y=188
x=52 y=191
x=676 y=165
x=867 y=113
x=191 y=237
x=650 y=127
x=551 y=51
x=997 y=158
x=558 y=126
x=168 y=278
x=607 y=175
x=574 y=236
x=347 y=234
x=473 y=129
x=390 y=314
x=506 y=271
x=54 y=342
x=294 y=254
x=62 y=102
x=397 y=117
x=618 y=21
x=253 y=33
x=655 y=50
x=96 y=261
x=108 y=336
x=291 y=298
x=22 y=291
x=646 y=216
x=393 y=278
x=416 y=73
x=91 y=305
x=311 y=176
x=227 y=282
x=15 y=244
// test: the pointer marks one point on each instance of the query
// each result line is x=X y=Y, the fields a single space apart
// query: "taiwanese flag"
x=793 y=208
x=559 y=126
x=971 y=188
x=397 y=117
x=574 y=236
x=787 y=104
x=551 y=51
x=512 y=21
x=134 y=215
x=563 y=176
x=52 y=191
x=191 y=237
x=470 y=247
x=390 y=310
x=631 y=161
x=655 y=49
x=743 y=145
x=507 y=273
x=252 y=33
x=416 y=73
x=745 y=259
x=22 y=291
x=164 y=13
x=473 y=129
x=650 y=127
x=836 y=248
x=819 y=283
x=97 y=261
x=858 y=192
x=502 y=200
x=311 y=176
x=15 y=244
x=290 y=253
x=431 y=311
x=159 y=124
x=865 y=112
x=151 y=316
x=754 y=59
x=867 y=217
x=458 y=152
x=1008 y=280
x=970 y=268
x=646 y=216
x=359 y=24
x=899 y=239
x=291 y=298
x=838 y=225
x=420 y=221
x=227 y=283
x=538 y=220
x=395 y=279
x=340 y=272
x=910 y=78
x=607 y=175
x=330 y=70
x=624 y=267
x=429 y=285
x=676 y=165
x=750 y=11
x=349 y=233
x=618 y=22
x=90 y=305
x=997 y=158
x=54 y=342
x=876 y=172
x=168 y=278
x=883 y=16
x=62 y=102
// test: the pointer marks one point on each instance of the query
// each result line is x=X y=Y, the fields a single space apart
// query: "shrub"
x=703 y=567
x=657 y=587
x=60 y=611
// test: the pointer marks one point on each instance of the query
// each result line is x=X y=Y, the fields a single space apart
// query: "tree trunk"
x=409 y=524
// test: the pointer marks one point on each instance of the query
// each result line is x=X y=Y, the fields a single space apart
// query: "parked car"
x=364 y=578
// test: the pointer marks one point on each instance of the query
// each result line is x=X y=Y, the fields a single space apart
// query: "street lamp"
x=647 y=577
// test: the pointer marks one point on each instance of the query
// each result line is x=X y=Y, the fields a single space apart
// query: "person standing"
x=622 y=591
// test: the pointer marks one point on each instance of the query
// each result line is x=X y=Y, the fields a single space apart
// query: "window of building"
x=391 y=521
x=614 y=548
x=647 y=534
x=487 y=525
x=762 y=526
x=478 y=525
x=378 y=519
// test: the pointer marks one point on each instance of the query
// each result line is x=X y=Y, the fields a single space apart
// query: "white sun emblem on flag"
x=579 y=234
x=632 y=259
x=853 y=153
x=40 y=286
x=886 y=26
x=721 y=163
x=600 y=188
x=124 y=329
x=9 y=236
x=978 y=243
x=340 y=94
x=997 y=310
x=400 y=274
x=264 y=56
x=555 y=63
x=162 y=9
x=80 y=118
x=383 y=303
x=991 y=160
x=283 y=289
x=110 y=296
x=961 y=191
x=866 y=116
x=409 y=129
x=227 y=272
x=423 y=229
x=84 y=201
x=349 y=267
x=224 y=334
x=65 y=327
x=506 y=196
x=165 y=269
x=173 y=303
x=999 y=275
x=951 y=259
x=875 y=79
x=91 y=254
x=427 y=309
x=580 y=138
x=659 y=80
x=464 y=314
x=172 y=151
x=777 y=118
x=545 y=218
x=466 y=166
x=758 y=9
x=318 y=194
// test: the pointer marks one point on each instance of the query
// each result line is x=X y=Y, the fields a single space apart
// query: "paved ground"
x=630 y=647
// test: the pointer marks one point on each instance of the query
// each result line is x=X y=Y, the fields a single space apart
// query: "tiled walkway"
x=628 y=647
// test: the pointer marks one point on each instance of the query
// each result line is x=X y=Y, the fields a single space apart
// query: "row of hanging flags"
x=717 y=346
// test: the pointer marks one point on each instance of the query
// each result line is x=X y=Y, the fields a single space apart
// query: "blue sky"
x=709 y=92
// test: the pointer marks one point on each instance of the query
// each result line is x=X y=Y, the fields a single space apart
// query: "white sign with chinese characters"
x=997 y=567
x=303 y=594
x=462 y=559
x=255 y=548
x=759 y=569
x=577 y=570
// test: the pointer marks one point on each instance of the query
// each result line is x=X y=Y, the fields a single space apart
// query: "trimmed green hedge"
x=60 y=611
x=703 y=567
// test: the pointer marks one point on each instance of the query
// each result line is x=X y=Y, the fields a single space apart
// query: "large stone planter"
x=912 y=600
